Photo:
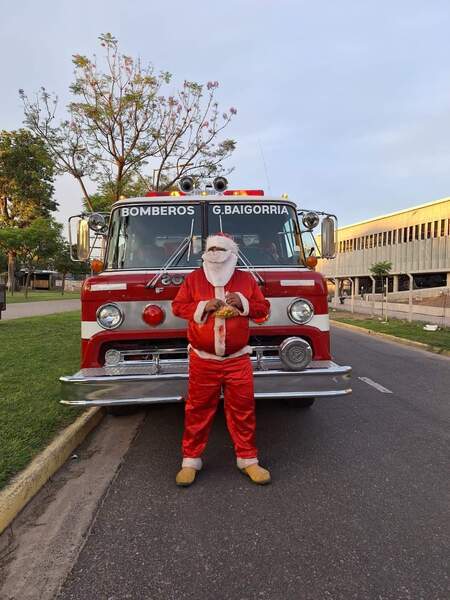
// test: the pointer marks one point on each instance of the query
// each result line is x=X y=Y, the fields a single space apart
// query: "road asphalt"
x=358 y=508
x=33 y=309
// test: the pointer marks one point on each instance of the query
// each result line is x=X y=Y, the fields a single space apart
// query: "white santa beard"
x=219 y=273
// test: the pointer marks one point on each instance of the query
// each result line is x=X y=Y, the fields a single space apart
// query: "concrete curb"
x=27 y=483
x=392 y=338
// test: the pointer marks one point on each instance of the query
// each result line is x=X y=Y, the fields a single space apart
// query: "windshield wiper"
x=176 y=254
x=248 y=265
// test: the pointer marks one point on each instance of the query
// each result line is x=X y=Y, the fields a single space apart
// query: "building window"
x=442 y=227
x=405 y=234
x=436 y=223
x=422 y=231
x=428 y=231
x=394 y=236
x=389 y=238
x=411 y=234
x=384 y=238
x=416 y=232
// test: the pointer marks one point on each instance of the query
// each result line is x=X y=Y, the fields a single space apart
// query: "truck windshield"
x=268 y=234
x=146 y=236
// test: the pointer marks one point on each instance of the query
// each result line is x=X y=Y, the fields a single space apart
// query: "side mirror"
x=83 y=242
x=328 y=238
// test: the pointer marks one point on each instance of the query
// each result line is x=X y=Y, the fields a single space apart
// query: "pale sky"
x=348 y=102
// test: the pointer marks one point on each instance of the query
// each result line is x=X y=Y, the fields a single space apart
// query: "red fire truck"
x=134 y=350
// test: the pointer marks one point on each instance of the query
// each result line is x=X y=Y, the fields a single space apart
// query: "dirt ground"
x=441 y=301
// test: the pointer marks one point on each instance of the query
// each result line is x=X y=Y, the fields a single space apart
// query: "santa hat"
x=222 y=240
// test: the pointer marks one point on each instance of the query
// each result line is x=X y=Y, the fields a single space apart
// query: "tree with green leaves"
x=34 y=245
x=126 y=127
x=381 y=269
x=62 y=263
x=26 y=184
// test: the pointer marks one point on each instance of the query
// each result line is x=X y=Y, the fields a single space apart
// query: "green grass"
x=439 y=340
x=38 y=296
x=34 y=352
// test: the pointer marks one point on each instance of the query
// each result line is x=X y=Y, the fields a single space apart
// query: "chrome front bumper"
x=167 y=382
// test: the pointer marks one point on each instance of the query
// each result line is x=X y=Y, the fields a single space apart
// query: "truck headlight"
x=300 y=311
x=109 y=316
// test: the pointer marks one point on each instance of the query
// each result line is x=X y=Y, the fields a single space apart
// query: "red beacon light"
x=244 y=193
x=156 y=194
x=153 y=315
x=261 y=320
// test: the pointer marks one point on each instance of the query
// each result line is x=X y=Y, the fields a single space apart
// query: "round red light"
x=153 y=315
x=261 y=320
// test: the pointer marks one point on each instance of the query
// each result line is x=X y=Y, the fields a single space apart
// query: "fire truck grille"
x=171 y=355
x=143 y=352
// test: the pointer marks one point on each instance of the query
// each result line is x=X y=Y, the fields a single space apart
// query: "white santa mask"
x=219 y=265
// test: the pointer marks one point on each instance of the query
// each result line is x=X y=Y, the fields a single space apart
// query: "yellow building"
x=415 y=240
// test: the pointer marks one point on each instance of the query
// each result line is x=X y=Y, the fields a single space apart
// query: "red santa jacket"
x=209 y=334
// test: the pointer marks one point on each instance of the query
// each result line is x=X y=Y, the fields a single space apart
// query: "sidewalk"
x=33 y=309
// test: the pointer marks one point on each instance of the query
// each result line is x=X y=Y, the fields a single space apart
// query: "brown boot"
x=186 y=476
x=257 y=474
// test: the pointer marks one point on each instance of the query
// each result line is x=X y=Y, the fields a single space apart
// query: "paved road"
x=358 y=508
x=33 y=309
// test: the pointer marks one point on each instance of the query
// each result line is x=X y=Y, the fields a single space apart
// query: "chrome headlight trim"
x=298 y=321
x=102 y=307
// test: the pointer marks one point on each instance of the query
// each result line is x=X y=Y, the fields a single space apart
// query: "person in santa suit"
x=218 y=300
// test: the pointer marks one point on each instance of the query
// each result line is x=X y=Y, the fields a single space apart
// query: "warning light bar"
x=244 y=193
x=226 y=193
x=155 y=194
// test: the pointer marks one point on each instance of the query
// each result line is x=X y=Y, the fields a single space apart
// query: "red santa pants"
x=206 y=380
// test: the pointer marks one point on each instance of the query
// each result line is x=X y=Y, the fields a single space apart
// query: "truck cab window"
x=145 y=237
x=267 y=234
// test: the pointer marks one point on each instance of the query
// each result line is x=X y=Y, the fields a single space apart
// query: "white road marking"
x=376 y=385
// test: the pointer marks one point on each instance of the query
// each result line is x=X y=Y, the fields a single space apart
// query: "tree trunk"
x=85 y=194
x=63 y=286
x=11 y=272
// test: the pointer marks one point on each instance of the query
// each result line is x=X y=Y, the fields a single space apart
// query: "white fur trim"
x=199 y=317
x=245 y=305
x=242 y=463
x=195 y=463
x=219 y=339
x=219 y=324
x=220 y=292
x=222 y=241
